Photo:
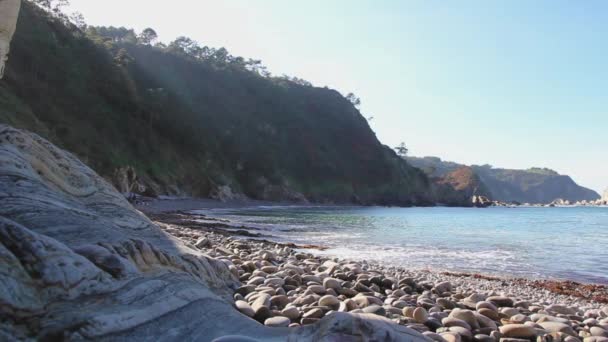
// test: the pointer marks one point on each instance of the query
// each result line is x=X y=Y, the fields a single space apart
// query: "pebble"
x=244 y=308
x=420 y=315
x=277 y=321
x=518 y=330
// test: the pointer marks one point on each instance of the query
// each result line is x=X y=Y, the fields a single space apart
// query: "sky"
x=514 y=84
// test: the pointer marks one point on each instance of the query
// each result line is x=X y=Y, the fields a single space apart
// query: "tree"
x=353 y=99
x=122 y=58
x=401 y=150
x=78 y=19
x=184 y=45
x=148 y=36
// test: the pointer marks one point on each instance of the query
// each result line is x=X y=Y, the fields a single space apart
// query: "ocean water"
x=561 y=243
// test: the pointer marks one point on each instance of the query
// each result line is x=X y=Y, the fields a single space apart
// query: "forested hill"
x=534 y=185
x=188 y=119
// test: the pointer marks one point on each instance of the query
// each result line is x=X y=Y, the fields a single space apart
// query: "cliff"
x=534 y=185
x=458 y=187
x=166 y=120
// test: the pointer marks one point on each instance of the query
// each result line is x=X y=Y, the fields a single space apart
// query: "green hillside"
x=194 y=120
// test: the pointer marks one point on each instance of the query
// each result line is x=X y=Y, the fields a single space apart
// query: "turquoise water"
x=564 y=243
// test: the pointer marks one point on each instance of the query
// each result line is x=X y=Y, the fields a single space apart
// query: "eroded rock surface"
x=77 y=261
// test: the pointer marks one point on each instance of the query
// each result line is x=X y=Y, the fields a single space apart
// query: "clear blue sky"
x=510 y=83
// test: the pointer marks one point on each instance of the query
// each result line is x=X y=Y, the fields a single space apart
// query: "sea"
x=565 y=243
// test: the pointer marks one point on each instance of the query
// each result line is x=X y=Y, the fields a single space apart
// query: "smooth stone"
x=467 y=316
x=269 y=269
x=554 y=327
x=329 y=300
x=451 y=336
x=291 y=312
x=509 y=311
x=595 y=339
x=518 y=331
x=597 y=331
x=485 y=322
x=455 y=322
x=277 y=321
x=244 y=308
x=420 y=315
x=332 y=283
x=280 y=301
x=256 y=281
x=519 y=318
x=408 y=311
x=314 y=313
x=491 y=314
x=261 y=306
x=464 y=333
x=486 y=305
x=318 y=289
x=501 y=301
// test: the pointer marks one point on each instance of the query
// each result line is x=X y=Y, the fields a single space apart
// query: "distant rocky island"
x=509 y=186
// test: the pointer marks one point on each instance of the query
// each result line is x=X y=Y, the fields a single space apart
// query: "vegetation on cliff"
x=194 y=119
x=534 y=185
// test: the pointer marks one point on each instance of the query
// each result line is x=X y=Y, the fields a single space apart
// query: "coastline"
x=163 y=210
x=260 y=264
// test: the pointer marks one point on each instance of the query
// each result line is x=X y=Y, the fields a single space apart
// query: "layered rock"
x=77 y=261
x=9 y=10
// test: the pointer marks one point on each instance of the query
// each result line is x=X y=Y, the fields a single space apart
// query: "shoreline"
x=176 y=212
x=287 y=285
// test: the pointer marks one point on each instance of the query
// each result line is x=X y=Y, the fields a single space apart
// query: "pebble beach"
x=286 y=285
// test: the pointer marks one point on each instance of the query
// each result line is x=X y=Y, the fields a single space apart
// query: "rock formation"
x=77 y=261
x=9 y=10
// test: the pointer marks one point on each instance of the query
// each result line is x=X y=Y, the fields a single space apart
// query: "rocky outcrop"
x=78 y=262
x=534 y=185
x=9 y=10
x=460 y=187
